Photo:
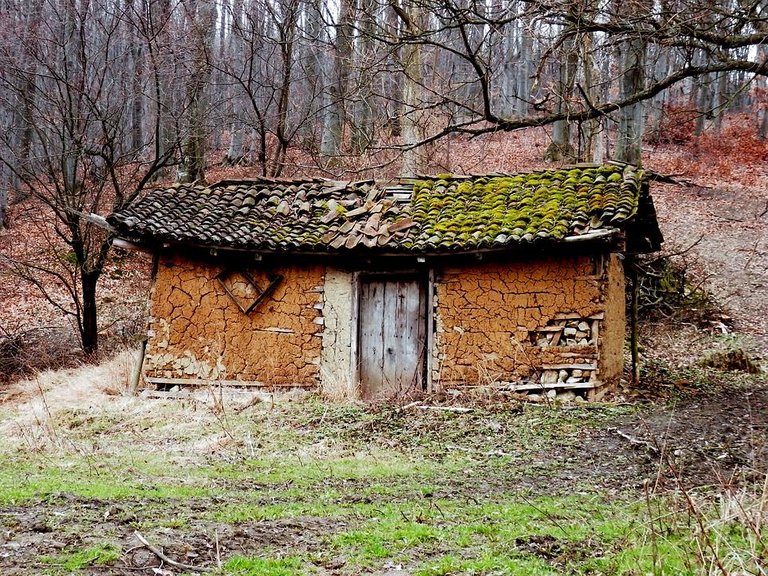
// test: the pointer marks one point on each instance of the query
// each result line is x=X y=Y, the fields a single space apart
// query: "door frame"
x=426 y=278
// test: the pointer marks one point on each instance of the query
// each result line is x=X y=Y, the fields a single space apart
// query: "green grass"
x=78 y=560
x=242 y=566
x=357 y=489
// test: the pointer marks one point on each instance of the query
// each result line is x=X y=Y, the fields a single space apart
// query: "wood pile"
x=568 y=330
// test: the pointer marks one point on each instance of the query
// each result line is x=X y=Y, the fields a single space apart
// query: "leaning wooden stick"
x=159 y=553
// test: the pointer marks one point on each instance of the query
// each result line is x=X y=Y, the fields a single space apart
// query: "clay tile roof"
x=429 y=215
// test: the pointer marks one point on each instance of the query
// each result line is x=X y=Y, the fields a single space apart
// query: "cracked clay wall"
x=198 y=333
x=528 y=321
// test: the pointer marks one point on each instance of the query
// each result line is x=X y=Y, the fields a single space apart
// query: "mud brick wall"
x=489 y=320
x=197 y=331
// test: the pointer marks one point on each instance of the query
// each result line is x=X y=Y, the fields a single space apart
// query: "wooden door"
x=392 y=336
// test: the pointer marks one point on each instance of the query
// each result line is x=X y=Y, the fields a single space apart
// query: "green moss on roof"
x=547 y=204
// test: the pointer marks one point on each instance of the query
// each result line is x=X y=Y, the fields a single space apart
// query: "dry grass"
x=52 y=412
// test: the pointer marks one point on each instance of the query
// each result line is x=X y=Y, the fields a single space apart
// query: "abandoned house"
x=374 y=290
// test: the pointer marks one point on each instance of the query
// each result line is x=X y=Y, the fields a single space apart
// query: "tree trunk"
x=333 y=135
x=658 y=102
x=89 y=331
x=236 y=143
x=3 y=198
x=561 y=148
x=165 y=133
x=762 y=109
x=590 y=147
x=762 y=126
x=721 y=100
x=315 y=75
x=202 y=18
x=287 y=37
x=525 y=67
x=704 y=103
x=629 y=145
x=413 y=116
x=508 y=71
x=26 y=76
x=362 y=125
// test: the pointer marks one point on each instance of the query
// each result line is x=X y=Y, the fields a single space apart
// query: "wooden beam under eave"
x=126 y=245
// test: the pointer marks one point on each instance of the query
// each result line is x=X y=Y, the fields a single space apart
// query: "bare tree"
x=84 y=149
x=263 y=76
x=571 y=36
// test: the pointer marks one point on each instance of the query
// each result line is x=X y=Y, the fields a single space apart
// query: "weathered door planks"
x=392 y=336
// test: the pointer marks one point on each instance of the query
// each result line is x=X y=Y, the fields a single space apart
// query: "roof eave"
x=595 y=240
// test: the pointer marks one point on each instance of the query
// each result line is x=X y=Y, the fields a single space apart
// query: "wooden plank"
x=203 y=382
x=354 y=353
x=400 y=339
x=410 y=366
x=371 y=337
x=558 y=386
x=556 y=336
x=567 y=366
x=391 y=330
x=428 y=327
x=378 y=342
x=422 y=339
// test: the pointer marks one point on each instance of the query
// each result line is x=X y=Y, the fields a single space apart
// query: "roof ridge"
x=267 y=180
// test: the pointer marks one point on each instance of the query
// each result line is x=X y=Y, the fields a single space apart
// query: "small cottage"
x=376 y=290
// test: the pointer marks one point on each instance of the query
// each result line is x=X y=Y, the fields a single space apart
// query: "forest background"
x=102 y=99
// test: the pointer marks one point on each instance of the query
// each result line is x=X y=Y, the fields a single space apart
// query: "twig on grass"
x=458 y=409
x=478 y=453
x=159 y=553
x=218 y=549
x=408 y=406
x=635 y=441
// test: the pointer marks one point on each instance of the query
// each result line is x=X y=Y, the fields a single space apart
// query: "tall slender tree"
x=201 y=20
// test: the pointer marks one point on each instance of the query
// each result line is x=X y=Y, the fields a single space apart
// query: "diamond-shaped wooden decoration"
x=245 y=290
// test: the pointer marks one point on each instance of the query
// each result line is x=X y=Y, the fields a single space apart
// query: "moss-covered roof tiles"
x=430 y=215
